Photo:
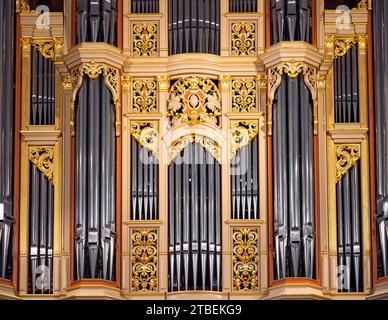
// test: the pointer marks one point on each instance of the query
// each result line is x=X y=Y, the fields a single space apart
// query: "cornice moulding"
x=349 y=134
x=292 y=51
x=29 y=29
x=41 y=136
x=357 y=25
x=98 y=52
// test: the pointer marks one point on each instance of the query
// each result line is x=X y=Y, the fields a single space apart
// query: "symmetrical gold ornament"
x=163 y=83
x=242 y=133
x=245 y=259
x=43 y=159
x=321 y=82
x=293 y=70
x=25 y=43
x=261 y=81
x=243 y=39
x=146 y=134
x=362 y=41
x=66 y=83
x=144 y=259
x=244 y=95
x=145 y=40
x=22 y=6
x=347 y=156
x=144 y=96
x=208 y=144
x=225 y=82
x=363 y=5
x=93 y=70
x=194 y=100
x=126 y=82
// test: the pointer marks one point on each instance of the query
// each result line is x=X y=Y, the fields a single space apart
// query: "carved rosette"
x=208 y=144
x=93 y=70
x=145 y=40
x=292 y=70
x=146 y=134
x=245 y=259
x=242 y=133
x=43 y=159
x=144 y=260
x=244 y=95
x=347 y=156
x=144 y=96
x=243 y=39
x=194 y=100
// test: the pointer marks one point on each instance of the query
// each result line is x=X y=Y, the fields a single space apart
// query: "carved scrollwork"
x=144 y=96
x=244 y=95
x=245 y=259
x=347 y=156
x=208 y=144
x=194 y=100
x=48 y=48
x=243 y=39
x=293 y=70
x=146 y=134
x=22 y=6
x=93 y=70
x=43 y=159
x=342 y=46
x=144 y=259
x=242 y=132
x=145 y=40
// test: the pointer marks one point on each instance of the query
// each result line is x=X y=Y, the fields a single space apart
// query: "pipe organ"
x=197 y=149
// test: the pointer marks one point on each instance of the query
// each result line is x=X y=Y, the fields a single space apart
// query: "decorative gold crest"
x=347 y=156
x=43 y=158
x=244 y=95
x=243 y=39
x=145 y=40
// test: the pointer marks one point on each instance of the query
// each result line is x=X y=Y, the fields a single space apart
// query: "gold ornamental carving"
x=48 y=48
x=144 y=260
x=25 y=43
x=146 y=134
x=362 y=41
x=126 y=83
x=261 y=81
x=340 y=46
x=163 y=83
x=22 y=6
x=194 y=100
x=67 y=83
x=144 y=96
x=93 y=70
x=347 y=156
x=145 y=40
x=244 y=95
x=364 y=4
x=243 y=39
x=208 y=144
x=242 y=134
x=43 y=159
x=226 y=82
x=245 y=259
x=292 y=70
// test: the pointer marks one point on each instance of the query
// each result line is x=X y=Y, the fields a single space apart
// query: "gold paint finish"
x=43 y=158
x=145 y=40
x=243 y=39
x=242 y=133
x=244 y=95
x=146 y=133
x=347 y=156
x=144 y=96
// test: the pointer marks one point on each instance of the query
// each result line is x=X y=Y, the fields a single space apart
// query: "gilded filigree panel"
x=194 y=100
x=347 y=156
x=145 y=40
x=144 y=96
x=243 y=39
x=242 y=132
x=245 y=259
x=144 y=259
x=243 y=95
x=146 y=134
x=43 y=159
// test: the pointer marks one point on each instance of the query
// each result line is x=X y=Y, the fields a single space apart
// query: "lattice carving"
x=244 y=95
x=242 y=132
x=243 y=39
x=43 y=159
x=347 y=156
x=144 y=259
x=245 y=259
x=146 y=134
x=145 y=40
x=194 y=100
x=144 y=96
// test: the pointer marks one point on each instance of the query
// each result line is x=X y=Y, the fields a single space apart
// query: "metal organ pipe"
x=242 y=5
x=381 y=125
x=194 y=26
x=294 y=224
x=95 y=203
x=291 y=20
x=7 y=30
x=195 y=216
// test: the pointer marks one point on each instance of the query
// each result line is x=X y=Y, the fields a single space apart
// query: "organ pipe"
x=381 y=125
x=7 y=63
x=244 y=179
x=291 y=20
x=194 y=221
x=144 y=183
x=349 y=232
x=194 y=26
x=145 y=6
x=293 y=164
x=242 y=5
